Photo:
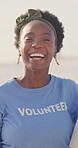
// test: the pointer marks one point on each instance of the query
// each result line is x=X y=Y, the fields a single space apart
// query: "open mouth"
x=37 y=56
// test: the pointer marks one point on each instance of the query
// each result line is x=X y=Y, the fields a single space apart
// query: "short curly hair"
x=55 y=23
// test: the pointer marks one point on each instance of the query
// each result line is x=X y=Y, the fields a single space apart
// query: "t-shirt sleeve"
x=2 y=114
x=72 y=99
x=75 y=101
x=0 y=127
x=76 y=104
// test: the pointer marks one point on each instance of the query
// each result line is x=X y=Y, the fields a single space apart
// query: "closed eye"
x=45 y=39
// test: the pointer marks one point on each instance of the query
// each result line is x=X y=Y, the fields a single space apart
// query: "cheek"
x=52 y=50
x=23 y=53
x=24 y=48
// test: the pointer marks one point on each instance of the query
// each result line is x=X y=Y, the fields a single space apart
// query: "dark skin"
x=34 y=80
x=37 y=48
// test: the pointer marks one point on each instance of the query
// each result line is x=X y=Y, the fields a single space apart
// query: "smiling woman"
x=37 y=46
x=38 y=107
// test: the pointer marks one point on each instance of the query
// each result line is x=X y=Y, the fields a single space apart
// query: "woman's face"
x=37 y=45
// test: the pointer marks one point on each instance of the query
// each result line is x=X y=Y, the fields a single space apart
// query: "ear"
x=55 y=51
x=19 y=55
x=18 y=44
x=19 y=51
x=19 y=47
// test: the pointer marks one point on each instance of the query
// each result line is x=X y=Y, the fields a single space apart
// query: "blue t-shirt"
x=38 y=118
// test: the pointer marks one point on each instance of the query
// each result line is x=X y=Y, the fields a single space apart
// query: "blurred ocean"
x=68 y=68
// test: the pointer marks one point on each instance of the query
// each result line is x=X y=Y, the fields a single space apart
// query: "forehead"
x=37 y=26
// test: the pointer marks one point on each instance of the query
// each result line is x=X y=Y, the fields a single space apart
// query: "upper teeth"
x=37 y=55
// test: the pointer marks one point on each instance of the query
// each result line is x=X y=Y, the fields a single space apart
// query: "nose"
x=36 y=44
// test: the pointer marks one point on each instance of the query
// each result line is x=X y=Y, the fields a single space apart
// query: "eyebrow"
x=46 y=33
x=31 y=33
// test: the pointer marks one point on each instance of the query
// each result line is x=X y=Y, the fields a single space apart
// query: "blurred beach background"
x=65 y=10
x=68 y=68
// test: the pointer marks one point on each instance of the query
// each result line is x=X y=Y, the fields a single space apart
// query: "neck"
x=34 y=79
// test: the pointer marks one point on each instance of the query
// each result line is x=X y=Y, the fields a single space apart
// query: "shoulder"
x=66 y=87
x=66 y=83
x=6 y=85
x=68 y=90
x=5 y=89
x=70 y=85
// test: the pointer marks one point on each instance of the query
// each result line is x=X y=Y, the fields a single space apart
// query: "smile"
x=37 y=55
